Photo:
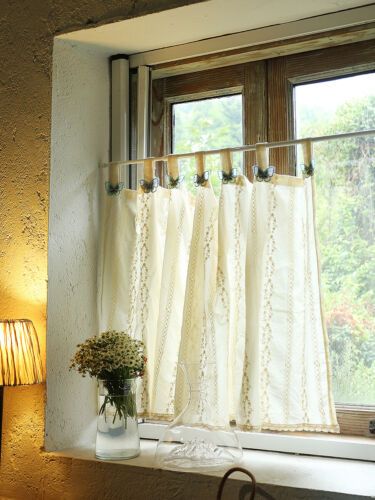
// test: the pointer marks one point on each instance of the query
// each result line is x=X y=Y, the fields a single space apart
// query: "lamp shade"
x=20 y=361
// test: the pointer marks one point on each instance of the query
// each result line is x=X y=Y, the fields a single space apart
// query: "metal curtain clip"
x=200 y=180
x=174 y=182
x=226 y=177
x=263 y=175
x=149 y=186
x=114 y=190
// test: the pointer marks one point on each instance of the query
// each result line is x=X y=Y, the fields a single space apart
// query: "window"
x=345 y=187
x=206 y=124
x=280 y=100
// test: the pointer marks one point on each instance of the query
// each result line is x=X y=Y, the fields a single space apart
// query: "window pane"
x=345 y=184
x=206 y=124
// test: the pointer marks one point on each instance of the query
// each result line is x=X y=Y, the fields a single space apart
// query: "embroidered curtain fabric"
x=233 y=282
x=144 y=255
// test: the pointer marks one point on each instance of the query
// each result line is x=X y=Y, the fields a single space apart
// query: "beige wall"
x=27 y=29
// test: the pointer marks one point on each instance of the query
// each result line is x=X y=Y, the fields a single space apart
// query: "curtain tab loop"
x=262 y=155
x=148 y=169
x=262 y=171
x=174 y=179
x=172 y=167
x=150 y=183
x=199 y=161
x=307 y=149
x=114 y=176
x=226 y=161
x=202 y=175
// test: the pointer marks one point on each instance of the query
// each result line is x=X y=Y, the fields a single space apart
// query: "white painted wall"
x=203 y=20
x=80 y=141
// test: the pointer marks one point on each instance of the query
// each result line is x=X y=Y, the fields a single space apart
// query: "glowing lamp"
x=20 y=361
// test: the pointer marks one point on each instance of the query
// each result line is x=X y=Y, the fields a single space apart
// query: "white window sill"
x=319 y=474
x=322 y=445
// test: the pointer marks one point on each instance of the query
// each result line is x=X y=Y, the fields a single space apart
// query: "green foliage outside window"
x=345 y=183
x=203 y=125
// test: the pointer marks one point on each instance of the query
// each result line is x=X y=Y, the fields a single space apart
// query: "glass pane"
x=345 y=184
x=207 y=124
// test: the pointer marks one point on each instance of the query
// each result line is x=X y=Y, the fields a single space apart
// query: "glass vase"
x=201 y=438
x=117 y=436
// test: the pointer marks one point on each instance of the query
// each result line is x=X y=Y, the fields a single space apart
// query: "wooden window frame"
x=318 y=65
x=268 y=115
x=283 y=74
x=246 y=79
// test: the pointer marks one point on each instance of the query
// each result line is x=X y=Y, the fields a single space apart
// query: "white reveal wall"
x=80 y=141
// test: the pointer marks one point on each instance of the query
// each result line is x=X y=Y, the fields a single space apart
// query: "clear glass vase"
x=117 y=436
x=201 y=438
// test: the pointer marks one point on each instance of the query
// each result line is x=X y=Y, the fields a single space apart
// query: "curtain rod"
x=250 y=147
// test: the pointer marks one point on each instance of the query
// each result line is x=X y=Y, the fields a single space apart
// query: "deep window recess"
x=283 y=98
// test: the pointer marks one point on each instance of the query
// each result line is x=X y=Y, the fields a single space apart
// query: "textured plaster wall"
x=27 y=29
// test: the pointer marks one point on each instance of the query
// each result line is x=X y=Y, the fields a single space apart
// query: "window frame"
x=268 y=115
x=315 y=66
x=248 y=79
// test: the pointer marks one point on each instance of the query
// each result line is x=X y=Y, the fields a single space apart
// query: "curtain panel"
x=230 y=282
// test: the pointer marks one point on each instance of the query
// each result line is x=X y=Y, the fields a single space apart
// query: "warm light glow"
x=20 y=361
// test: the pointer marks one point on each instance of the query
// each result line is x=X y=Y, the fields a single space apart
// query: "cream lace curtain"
x=233 y=282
